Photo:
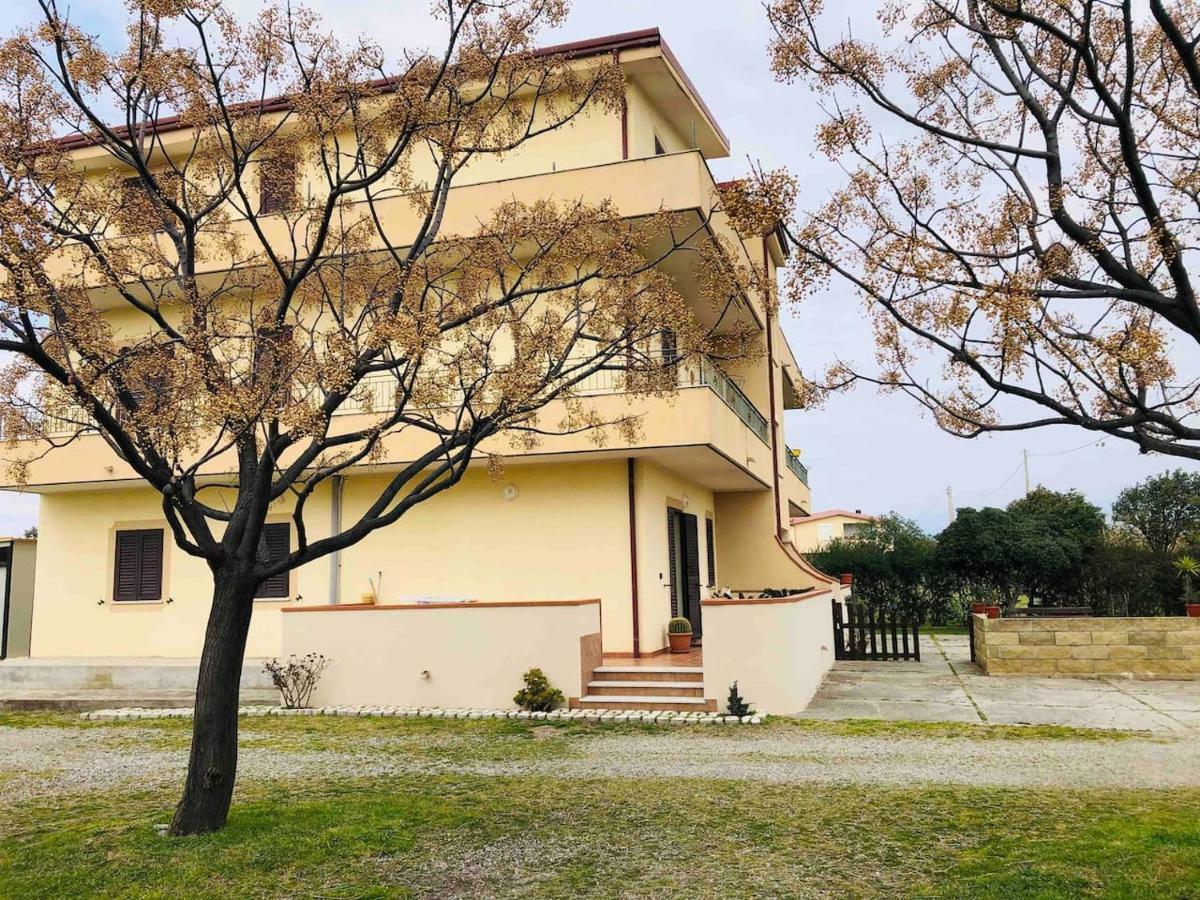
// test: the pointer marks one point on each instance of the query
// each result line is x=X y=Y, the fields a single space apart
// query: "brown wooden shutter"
x=138 y=566
x=277 y=540
x=150 y=580
x=710 y=543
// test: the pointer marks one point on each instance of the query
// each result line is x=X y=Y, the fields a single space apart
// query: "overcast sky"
x=863 y=451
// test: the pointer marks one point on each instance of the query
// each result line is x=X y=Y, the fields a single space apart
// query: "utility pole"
x=950 y=504
x=1026 y=452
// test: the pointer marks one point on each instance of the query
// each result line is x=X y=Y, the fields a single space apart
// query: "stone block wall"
x=1167 y=647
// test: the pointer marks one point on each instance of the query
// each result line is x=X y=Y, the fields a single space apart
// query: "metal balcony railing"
x=799 y=468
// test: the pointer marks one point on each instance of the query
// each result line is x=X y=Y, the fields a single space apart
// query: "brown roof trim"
x=366 y=607
x=765 y=601
x=830 y=513
x=613 y=43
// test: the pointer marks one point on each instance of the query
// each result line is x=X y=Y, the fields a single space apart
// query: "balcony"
x=377 y=392
x=798 y=468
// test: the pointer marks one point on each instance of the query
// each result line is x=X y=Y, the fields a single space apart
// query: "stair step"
x=631 y=702
x=648 y=688
x=649 y=673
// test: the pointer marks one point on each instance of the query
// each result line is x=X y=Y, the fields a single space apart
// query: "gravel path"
x=36 y=763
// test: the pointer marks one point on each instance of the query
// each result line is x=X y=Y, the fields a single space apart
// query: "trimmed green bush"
x=538 y=695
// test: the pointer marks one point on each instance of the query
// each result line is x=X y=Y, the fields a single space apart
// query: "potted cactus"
x=679 y=634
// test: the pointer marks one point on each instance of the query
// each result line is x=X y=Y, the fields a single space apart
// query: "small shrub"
x=538 y=695
x=296 y=677
x=736 y=705
x=679 y=625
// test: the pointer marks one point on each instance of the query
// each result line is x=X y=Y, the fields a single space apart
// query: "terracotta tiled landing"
x=694 y=657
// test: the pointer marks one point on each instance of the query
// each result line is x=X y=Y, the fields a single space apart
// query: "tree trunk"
x=212 y=765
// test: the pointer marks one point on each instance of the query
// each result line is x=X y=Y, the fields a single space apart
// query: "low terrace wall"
x=445 y=654
x=776 y=648
x=1167 y=647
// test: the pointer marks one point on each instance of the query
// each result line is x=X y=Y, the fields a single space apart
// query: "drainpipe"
x=616 y=55
x=335 y=528
x=633 y=569
x=771 y=389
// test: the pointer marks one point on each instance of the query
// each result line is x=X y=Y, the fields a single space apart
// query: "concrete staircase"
x=98 y=683
x=673 y=688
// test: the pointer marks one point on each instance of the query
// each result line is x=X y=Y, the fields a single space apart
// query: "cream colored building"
x=818 y=530
x=710 y=470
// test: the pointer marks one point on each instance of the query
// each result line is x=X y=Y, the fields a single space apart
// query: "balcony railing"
x=799 y=468
x=377 y=393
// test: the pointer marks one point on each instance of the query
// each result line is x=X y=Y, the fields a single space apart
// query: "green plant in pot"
x=679 y=633
x=1188 y=568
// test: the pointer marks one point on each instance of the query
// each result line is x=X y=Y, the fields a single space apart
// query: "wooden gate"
x=869 y=630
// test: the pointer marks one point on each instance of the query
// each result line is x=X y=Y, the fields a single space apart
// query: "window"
x=710 y=544
x=139 y=212
x=825 y=532
x=276 y=186
x=277 y=544
x=659 y=149
x=139 y=565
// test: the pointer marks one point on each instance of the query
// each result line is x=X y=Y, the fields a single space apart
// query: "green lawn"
x=538 y=836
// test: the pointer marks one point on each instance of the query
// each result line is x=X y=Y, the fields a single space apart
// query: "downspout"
x=633 y=555
x=616 y=55
x=771 y=387
x=335 y=528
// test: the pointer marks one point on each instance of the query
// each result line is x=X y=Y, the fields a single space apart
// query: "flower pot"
x=1193 y=610
x=680 y=643
x=847 y=579
x=984 y=609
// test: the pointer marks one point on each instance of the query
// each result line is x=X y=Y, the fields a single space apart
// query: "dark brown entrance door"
x=683 y=545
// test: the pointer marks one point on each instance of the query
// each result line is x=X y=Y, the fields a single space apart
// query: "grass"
x=544 y=836
x=944 y=629
x=549 y=837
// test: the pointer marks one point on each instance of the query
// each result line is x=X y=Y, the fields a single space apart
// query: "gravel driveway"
x=40 y=762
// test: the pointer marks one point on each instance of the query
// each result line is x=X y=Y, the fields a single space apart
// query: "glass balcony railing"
x=799 y=468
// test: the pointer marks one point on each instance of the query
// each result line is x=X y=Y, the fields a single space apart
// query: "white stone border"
x=662 y=717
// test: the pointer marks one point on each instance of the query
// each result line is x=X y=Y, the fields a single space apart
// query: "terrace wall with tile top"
x=1164 y=647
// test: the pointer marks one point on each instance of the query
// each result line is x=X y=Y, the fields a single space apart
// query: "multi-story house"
x=701 y=500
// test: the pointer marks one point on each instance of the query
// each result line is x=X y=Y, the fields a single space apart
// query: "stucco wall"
x=777 y=650
x=74 y=614
x=564 y=535
x=1167 y=647
x=466 y=655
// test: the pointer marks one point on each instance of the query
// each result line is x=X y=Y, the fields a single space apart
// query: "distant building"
x=817 y=531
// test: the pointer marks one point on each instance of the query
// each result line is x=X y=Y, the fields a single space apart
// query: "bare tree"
x=1019 y=211
x=260 y=246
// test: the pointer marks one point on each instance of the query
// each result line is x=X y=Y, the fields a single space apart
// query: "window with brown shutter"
x=139 y=565
x=276 y=186
x=710 y=543
x=277 y=542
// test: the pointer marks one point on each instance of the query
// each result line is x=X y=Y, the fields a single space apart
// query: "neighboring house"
x=702 y=499
x=816 y=531
x=17 y=562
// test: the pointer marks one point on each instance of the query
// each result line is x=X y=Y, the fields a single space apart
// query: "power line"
x=1072 y=450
